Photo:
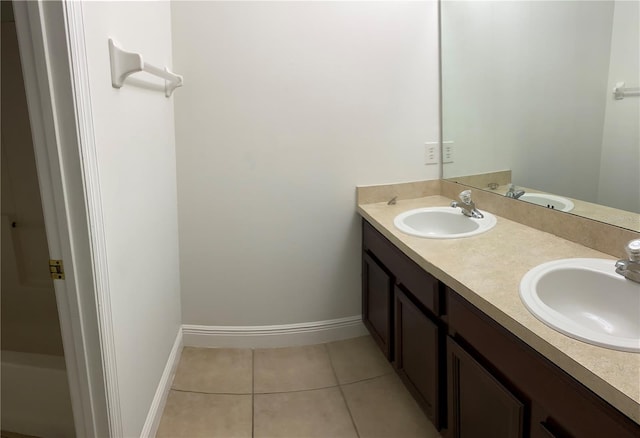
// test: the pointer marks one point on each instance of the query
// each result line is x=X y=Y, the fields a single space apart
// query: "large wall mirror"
x=527 y=99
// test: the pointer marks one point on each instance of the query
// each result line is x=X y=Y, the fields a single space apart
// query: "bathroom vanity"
x=401 y=306
x=447 y=315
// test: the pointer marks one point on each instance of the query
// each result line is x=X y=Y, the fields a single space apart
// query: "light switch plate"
x=431 y=152
x=447 y=151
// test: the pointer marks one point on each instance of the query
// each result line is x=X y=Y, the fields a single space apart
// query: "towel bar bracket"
x=620 y=91
x=125 y=63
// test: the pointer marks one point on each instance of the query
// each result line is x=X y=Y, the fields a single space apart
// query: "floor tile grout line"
x=367 y=379
x=296 y=390
x=253 y=393
x=209 y=393
x=344 y=399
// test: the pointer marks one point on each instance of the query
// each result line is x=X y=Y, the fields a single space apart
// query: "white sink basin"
x=550 y=201
x=442 y=223
x=587 y=300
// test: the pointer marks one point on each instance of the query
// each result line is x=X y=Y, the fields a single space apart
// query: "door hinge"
x=56 y=269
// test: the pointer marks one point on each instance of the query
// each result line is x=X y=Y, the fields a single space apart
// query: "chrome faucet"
x=467 y=206
x=513 y=193
x=630 y=268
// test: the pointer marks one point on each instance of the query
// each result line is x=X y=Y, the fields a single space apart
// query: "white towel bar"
x=125 y=63
x=620 y=91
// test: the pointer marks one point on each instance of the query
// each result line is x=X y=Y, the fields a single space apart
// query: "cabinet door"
x=479 y=405
x=377 y=295
x=417 y=355
x=543 y=425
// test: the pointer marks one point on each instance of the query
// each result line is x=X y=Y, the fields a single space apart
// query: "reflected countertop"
x=602 y=213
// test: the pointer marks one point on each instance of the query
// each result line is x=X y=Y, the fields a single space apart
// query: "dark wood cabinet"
x=389 y=276
x=557 y=404
x=472 y=377
x=543 y=425
x=417 y=355
x=479 y=405
x=377 y=302
x=419 y=282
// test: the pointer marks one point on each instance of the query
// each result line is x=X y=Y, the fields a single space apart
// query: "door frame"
x=51 y=44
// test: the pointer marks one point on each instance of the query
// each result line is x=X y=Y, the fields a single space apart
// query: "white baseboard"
x=269 y=336
x=162 y=392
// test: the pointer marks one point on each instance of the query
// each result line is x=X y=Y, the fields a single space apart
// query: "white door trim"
x=86 y=136
x=69 y=209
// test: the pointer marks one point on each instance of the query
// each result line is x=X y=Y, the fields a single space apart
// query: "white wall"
x=134 y=128
x=524 y=88
x=620 y=165
x=287 y=106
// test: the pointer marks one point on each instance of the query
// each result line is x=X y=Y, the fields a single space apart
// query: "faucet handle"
x=465 y=196
x=633 y=250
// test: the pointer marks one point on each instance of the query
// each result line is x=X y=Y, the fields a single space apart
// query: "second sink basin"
x=587 y=300
x=550 y=201
x=442 y=223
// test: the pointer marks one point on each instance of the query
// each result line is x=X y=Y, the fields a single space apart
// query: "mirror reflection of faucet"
x=513 y=193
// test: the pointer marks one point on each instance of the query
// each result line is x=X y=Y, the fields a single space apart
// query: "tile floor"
x=334 y=390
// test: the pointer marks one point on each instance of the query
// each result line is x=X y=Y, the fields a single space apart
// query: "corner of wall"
x=154 y=416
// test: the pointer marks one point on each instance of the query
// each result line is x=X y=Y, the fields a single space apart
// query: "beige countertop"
x=486 y=270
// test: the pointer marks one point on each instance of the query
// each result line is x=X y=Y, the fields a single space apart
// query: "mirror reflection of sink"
x=586 y=300
x=442 y=223
x=550 y=201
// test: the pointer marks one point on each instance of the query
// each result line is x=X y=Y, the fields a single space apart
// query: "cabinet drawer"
x=568 y=406
x=422 y=285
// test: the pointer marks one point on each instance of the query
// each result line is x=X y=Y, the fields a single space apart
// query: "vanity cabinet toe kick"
x=471 y=376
